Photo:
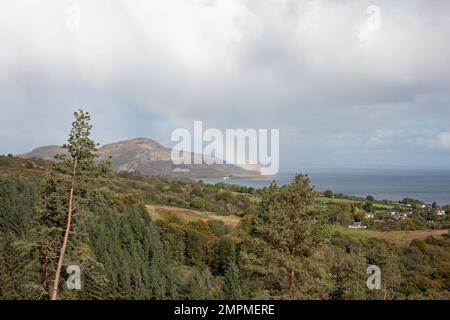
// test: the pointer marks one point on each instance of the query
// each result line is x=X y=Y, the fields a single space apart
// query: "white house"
x=357 y=225
x=440 y=213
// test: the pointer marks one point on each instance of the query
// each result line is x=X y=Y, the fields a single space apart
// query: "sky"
x=348 y=83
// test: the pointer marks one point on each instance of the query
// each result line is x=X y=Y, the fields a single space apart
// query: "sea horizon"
x=394 y=184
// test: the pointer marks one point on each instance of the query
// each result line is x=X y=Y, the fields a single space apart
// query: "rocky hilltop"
x=148 y=157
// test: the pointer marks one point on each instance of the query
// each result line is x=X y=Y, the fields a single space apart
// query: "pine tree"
x=285 y=240
x=79 y=168
x=19 y=268
x=232 y=283
x=200 y=287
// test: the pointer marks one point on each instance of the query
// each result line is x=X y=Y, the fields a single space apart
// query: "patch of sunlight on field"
x=254 y=199
x=161 y=212
x=408 y=236
x=398 y=237
x=355 y=233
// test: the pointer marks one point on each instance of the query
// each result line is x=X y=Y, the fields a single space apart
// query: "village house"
x=399 y=215
x=357 y=225
x=440 y=213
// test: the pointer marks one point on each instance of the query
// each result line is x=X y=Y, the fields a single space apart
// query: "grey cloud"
x=146 y=67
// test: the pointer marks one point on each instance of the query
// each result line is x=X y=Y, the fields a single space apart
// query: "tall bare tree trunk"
x=66 y=235
x=292 y=279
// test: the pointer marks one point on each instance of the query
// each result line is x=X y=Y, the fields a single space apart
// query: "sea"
x=427 y=185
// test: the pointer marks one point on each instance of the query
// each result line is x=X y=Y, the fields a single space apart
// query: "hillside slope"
x=148 y=157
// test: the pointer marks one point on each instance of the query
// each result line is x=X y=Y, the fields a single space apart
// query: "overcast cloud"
x=341 y=93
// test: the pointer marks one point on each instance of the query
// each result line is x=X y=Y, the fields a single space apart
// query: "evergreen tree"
x=232 y=283
x=200 y=287
x=224 y=252
x=19 y=266
x=76 y=172
x=287 y=234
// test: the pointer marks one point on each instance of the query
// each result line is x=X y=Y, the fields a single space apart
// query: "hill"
x=147 y=157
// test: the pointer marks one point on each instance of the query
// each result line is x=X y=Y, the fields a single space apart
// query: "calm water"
x=391 y=184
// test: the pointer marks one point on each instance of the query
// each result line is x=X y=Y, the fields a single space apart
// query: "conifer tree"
x=19 y=269
x=79 y=166
x=232 y=283
x=287 y=233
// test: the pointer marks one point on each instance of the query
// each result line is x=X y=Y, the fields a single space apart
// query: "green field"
x=397 y=237
x=382 y=206
x=376 y=205
x=355 y=233
x=326 y=200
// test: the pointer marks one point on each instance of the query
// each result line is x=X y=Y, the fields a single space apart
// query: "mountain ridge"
x=148 y=157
